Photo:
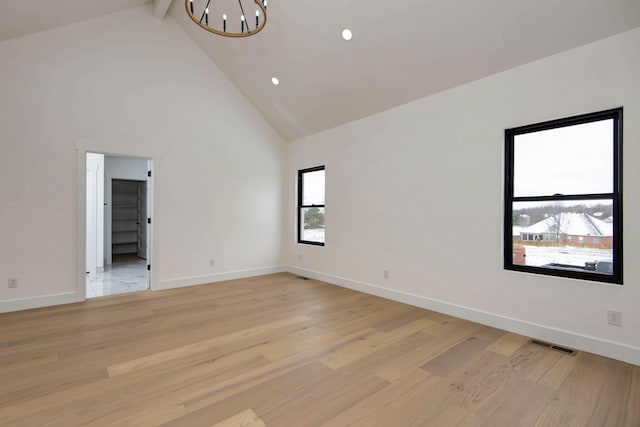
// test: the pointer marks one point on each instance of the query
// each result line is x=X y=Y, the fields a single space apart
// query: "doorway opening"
x=118 y=194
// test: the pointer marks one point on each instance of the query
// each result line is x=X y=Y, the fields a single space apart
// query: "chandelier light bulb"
x=346 y=34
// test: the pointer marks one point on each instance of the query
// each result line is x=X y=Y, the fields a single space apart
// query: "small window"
x=563 y=182
x=311 y=206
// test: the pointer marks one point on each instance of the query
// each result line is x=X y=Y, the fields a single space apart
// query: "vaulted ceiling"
x=401 y=50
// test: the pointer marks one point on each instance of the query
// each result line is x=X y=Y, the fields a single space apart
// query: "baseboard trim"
x=614 y=350
x=229 y=275
x=8 y=306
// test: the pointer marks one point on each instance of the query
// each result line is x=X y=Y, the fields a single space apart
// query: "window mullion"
x=560 y=197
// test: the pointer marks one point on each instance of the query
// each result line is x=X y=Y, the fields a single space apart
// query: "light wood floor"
x=281 y=351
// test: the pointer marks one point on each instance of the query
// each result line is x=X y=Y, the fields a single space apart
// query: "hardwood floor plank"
x=448 y=395
x=405 y=410
x=246 y=418
x=398 y=367
x=374 y=342
x=297 y=341
x=458 y=417
x=407 y=315
x=380 y=400
x=446 y=362
x=367 y=342
x=216 y=392
x=485 y=394
x=632 y=407
x=589 y=387
x=558 y=414
x=523 y=407
x=210 y=344
x=405 y=349
x=316 y=401
x=133 y=397
x=552 y=369
x=265 y=391
x=278 y=350
x=490 y=334
x=46 y=382
x=508 y=344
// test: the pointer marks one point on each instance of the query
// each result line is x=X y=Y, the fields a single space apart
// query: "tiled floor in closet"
x=120 y=277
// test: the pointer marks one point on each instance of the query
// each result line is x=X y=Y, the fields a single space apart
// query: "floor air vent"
x=564 y=350
x=303 y=278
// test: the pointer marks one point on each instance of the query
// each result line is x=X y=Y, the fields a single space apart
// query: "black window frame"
x=301 y=206
x=615 y=196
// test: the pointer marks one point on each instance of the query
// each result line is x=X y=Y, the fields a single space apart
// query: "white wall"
x=128 y=83
x=417 y=190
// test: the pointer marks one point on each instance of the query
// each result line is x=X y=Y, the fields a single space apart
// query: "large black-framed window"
x=311 y=209
x=563 y=197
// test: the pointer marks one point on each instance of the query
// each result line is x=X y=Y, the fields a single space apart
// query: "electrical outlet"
x=212 y=262
x=386 y=274
x=614 y=317
x=299 y=258
x=13 y=282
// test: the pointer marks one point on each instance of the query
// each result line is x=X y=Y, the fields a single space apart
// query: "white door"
x=91 y=221
x=142 y=220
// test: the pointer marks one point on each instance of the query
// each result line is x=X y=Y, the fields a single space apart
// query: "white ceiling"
x=22 y=17
x=401 y=50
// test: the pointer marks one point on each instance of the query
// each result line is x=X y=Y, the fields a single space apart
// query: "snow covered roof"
x=574 y=224
x=517 y=230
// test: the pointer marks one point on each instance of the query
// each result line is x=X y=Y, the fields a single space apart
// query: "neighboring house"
x=517 y=229
x=570 y=228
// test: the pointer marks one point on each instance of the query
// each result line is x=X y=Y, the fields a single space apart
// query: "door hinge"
x=148 y=220
x=149 y=267
x=149 y=174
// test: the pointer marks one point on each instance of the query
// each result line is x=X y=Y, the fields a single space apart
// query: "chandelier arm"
x=245 y=17
x=229 y=34
x=204 y=11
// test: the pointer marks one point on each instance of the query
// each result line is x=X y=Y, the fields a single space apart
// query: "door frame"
x=142 y=231
x=91 y=220
x=84 y=146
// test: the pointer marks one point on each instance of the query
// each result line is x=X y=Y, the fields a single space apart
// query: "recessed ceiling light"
x=346 y=34
x=275 y=81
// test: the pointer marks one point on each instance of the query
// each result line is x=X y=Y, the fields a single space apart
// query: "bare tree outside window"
x=558 y=220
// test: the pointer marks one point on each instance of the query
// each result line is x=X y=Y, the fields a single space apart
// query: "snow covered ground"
x=313 y=235
x=540 y=255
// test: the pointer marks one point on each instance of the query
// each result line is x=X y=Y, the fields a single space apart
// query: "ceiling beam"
x=160 y=8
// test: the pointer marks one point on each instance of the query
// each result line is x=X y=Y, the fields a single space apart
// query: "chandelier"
x=208 y=15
